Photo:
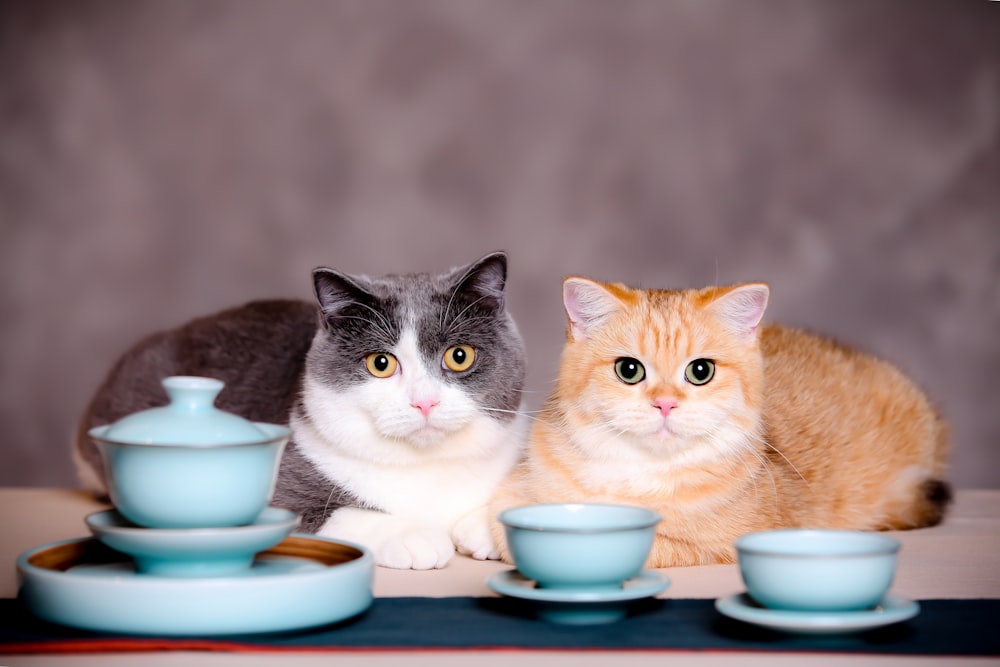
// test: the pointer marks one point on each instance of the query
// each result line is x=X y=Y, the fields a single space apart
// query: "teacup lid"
x=191 y=418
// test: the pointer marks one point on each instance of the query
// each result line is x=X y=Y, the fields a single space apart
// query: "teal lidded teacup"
x=189 y=464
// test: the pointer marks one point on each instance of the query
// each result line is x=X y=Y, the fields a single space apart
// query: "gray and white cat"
x=403 y=395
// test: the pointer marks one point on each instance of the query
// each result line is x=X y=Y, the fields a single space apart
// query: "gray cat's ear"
x=336 y=291
x=588 y=304
x=484 y=280
x=741 y=308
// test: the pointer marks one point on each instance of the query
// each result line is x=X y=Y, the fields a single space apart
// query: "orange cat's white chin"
x=669 y=433
x=665 y=432
x=657 y=428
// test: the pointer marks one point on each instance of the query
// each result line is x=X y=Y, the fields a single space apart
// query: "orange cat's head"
x=666 y=372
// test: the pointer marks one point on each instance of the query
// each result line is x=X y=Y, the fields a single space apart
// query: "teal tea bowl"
x=579 y=545
x=817 y=570
x=188 y=464
x=192 y=486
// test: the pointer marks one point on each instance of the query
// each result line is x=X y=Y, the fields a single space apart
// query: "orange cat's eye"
x=700 y=371
x=629 y=370
x=381 y=364
x=459 y=358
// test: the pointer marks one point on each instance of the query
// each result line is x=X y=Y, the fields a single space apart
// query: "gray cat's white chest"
x=440 y=482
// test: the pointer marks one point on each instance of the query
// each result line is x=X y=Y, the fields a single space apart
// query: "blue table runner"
x=943 y=627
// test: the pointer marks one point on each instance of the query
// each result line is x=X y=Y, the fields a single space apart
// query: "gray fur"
x=263 y=349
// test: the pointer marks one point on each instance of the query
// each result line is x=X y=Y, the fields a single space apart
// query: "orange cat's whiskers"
x=787 y=460
x=616 y=433
x=753 y=477
x=765 y=464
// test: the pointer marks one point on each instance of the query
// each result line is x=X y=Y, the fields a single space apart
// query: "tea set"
x=192 y=547
x=583 y=564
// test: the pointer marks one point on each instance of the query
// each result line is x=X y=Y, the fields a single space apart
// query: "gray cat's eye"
x=459 y=358
x=381 y=364
x=629 y=370
x=700 y=371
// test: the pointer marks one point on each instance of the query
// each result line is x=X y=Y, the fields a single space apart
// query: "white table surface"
x=958 y=559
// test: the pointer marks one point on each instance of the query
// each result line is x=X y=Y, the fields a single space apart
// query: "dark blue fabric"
x=943 y=627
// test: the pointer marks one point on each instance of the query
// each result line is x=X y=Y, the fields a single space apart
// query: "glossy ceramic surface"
x=579 y=545
x=171 y=486
x=303 y=582
x=817 y=570
x=197 y=552
x=891 y=609
x=190 y=418
x=579 y=606
x=193 y=486
x=189 y=464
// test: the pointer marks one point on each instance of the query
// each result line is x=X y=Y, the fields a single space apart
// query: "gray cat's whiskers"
x=379 y=322
x=326 y=507
x=383 y=322
x=374 y=323
x=528 y=414
x=560 y=426
x=462 y=312
x=468 y=320
x=451 y=300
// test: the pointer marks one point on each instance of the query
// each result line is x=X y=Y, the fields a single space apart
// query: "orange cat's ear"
x=741 y=308
x=588 y=304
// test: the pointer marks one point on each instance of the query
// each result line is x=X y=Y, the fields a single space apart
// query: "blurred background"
x=163 y=160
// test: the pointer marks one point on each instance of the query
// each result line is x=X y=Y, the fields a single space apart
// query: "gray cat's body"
x=402 y=462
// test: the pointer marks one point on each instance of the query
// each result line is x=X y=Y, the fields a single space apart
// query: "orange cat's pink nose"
x=665 y=405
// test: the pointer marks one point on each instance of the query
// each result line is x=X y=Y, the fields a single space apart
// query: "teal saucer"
x=892 y=609
x=303 y=582
x=579 y=606
x=193 y=552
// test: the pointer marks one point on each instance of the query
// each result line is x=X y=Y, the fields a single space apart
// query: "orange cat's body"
x=788 y=429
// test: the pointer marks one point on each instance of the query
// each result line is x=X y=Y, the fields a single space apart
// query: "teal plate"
x=305 y=581
x=893 y=609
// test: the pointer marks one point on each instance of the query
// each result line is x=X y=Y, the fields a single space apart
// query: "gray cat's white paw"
x=419 y=549
x=395 y=541
x=471 y=535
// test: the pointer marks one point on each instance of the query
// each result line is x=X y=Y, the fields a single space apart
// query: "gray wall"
x=161 y=160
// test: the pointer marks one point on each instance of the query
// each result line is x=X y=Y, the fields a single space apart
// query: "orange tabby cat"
x=679 y=401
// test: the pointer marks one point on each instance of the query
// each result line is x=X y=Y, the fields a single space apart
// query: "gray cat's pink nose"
x=665 y=405
x=425 y=405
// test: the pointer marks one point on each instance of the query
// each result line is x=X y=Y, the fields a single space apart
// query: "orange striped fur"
x=792 y=429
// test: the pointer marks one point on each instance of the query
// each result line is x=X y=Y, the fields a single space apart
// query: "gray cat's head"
x=415 y=358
